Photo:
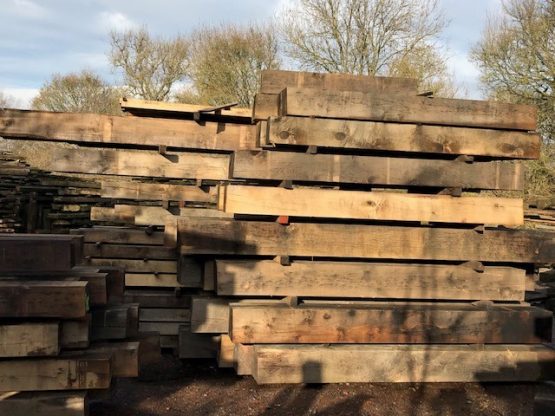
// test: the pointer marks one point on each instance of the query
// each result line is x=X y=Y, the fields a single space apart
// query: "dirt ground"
x=200 y=388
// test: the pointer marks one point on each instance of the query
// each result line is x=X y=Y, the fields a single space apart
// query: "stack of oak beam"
x=64 y=329
x=347 y=240
x=362 y=209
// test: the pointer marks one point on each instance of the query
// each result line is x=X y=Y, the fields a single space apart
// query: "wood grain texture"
x=123 y=251
x=168 y=280
x=75 y=333
x=157 y=192
x=372 y=170
x=389 y=323
x=29 y=339
x=61 y=373
x=56 y=157
x=211 y=236
x=389 y=206
x=43 y=299
x=406 y=137
x=139 y=131
x=120 y=235
x=138 y=266
x=274 y=81
x=210 y=315
x=312 y=102
x=401 y=363
x=368 y=280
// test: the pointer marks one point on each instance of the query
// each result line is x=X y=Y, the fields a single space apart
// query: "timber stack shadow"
x=346 y=229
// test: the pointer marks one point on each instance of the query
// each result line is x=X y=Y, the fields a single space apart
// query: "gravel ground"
x=200 y=388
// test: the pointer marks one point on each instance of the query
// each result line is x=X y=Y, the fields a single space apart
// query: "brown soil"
x=200 y=388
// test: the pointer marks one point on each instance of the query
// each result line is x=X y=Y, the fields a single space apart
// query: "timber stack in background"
x=335 y=234
x=65 y=332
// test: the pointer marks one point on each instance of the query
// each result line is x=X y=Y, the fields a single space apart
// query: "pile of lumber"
x=64 y=329
x=340 y=232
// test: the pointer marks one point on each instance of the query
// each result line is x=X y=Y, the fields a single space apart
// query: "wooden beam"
x=209 y=315
x=29 y=339
x=372 y=170
x=120 y=235
x=226 y=352
x=141 y=131
x=163 y=328
x=138 y=266
x=310 y=102
x=193 y=345
x=126 y=356
x=368 y=280
x=61 y=373
x=56 y=157
x=115 y=322
x=402 y=363
x=406 y=137
x=50 y=253
x=157 y=192
x=120 y=251
x=274 y=81
x=148 y=215
x=164 y=315
x=389 y=323
x=244 y=359
x=43 y=299
x=157 y=298
x=163 y=108
x=212 y=236
x=151 y=280
x=71 y=403
x=389 y=206
x=75 y=333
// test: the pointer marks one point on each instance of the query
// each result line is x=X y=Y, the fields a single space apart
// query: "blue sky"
x=42 y=37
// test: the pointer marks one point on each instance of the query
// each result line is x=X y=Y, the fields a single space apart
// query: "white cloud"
x=22 y=96
x=115 y=21
x=29 y=9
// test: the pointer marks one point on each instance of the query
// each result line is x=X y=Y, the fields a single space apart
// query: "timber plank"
x=122 y=251
x=402 y=363
x=150 y=298
x=29 y=339
x=312 y=102
x=50 y=253
x=212 y=236
x=138 y=266
x=72 y=403
x=274 y=81
x=372 y=170
x=389 y=323
x=126 y=356
x=209 y=315
x=390 y=206
x=158 y=192
x=60 y=373
x=352 y=134
x=164 y=315
x=368 y=280
x=55 y=157
x=193 y=345
x=75 y=333
x=164 y=328
x=151 y=280
x=226 y=352
x=44 y=299
x=140 y=131
x=120 y=235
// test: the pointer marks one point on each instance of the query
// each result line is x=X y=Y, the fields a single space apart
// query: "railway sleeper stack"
x=338 y=232
x=65 y=332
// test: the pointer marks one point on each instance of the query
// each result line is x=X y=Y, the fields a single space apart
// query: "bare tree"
x=368 y=37
x=516 y=56
x=6 y=101
x=83 y=92
x=151 y=66
x=226 y=62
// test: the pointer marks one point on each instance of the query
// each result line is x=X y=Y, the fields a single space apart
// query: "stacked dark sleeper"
x=64 y=329
x=337 y=235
